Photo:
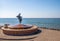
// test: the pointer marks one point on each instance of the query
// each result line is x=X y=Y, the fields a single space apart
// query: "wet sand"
x=44 y=35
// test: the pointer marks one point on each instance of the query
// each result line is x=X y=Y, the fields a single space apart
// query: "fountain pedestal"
x=19 y=29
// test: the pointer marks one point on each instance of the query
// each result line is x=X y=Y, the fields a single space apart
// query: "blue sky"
x=30 y=8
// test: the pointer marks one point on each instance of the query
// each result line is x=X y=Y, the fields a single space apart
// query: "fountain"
x=19 y=29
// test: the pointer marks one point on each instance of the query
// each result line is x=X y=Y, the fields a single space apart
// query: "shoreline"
x=50 y=28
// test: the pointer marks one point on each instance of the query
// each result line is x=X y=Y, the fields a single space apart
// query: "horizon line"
x=46 y=17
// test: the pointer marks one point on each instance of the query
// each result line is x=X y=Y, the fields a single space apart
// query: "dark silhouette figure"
x=19 y=18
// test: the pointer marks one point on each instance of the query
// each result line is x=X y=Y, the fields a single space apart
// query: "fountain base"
x=24 y=30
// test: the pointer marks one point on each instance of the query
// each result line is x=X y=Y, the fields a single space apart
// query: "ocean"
x=41 y=22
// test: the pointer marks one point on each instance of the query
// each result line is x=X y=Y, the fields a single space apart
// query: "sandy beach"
x=45 y=35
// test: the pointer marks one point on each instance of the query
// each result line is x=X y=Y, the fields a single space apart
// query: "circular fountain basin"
x=20 y=26
x=19 y=30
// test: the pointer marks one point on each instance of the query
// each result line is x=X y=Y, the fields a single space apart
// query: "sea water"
x=41 y=22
